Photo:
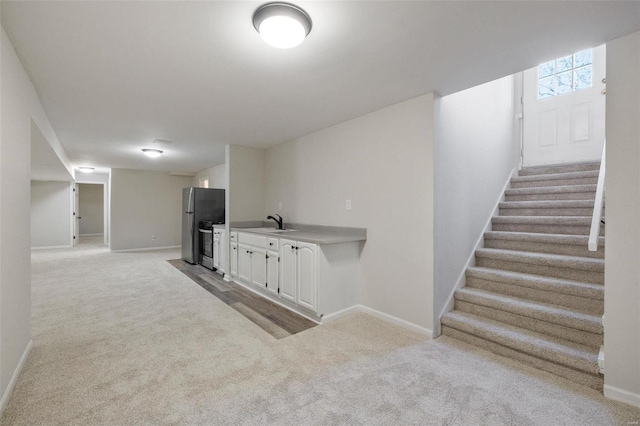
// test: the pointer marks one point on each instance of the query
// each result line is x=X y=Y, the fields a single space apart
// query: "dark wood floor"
x=272 y=318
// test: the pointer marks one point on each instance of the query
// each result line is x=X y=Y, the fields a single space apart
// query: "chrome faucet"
x=278 y=221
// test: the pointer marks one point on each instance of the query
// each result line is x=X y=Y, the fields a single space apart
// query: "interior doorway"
x=564 y=109
x=90 y=214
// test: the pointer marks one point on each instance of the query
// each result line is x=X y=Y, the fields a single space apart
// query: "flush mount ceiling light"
x=282 y=25
x=84 y=169
x=153 y=153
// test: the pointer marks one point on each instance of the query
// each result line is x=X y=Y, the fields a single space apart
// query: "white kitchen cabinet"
x=299 y=272
x=273 y=275
x=288 y=277
x=233 y=259
x=307 y=265
x=258 y=266
x=252 y=259
x=244 y=262
x=318 y=281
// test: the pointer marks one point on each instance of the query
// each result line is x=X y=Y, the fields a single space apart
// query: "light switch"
x=348 y=205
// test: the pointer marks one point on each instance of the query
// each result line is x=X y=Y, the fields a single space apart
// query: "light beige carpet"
x=127 y=339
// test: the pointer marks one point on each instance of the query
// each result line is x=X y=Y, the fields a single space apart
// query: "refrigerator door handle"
x=190 y=206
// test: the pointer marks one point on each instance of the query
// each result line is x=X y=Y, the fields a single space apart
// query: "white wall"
x=91 y=209
x=144 y=204
x=475 y=154
x=622 y=260
x=245 y=201
x=383 y=163
x=217 y=176
x=50 y=214
x=19 y=105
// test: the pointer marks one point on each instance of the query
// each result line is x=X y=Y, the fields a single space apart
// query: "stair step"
x=547 y=208
x=574 y=362
x=585 y=338
x=549 y=265
x=571 y=225
x=547 y=348
x=559 y=168
x=582 y=297
x=548 y=313
x=567 y=192
x=556 y=179
x=570 y=245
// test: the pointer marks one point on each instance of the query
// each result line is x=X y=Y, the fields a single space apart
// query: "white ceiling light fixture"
x=282 y=25
x=85 y=169
x=153 y=153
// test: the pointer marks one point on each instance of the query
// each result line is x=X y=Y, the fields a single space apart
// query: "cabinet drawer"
x=272 y=243
x=251 y=239
x=233 y=236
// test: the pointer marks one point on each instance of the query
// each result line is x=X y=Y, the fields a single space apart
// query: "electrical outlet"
x=153 y=237
x=347 y=205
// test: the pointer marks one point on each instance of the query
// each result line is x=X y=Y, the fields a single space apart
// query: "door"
x=288 y=279
x=244 y=262
x=307 y=275
x=564 y=109
x=76 y=214
x=258 y=266
x=272 y=272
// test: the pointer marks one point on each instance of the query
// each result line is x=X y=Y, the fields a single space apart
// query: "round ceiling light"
x=153 y=153
x=282 y=25
x=85 y=169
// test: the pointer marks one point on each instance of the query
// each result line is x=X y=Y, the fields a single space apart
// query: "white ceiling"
x=114 y=76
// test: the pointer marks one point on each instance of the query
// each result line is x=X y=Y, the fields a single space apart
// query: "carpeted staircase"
x=536 y=293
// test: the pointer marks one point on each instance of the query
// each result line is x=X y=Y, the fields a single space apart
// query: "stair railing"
x=596 y=220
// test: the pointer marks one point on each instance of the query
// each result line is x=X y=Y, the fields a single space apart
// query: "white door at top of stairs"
x=562 y=123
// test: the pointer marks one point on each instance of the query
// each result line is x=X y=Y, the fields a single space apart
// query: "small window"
x=565 y=75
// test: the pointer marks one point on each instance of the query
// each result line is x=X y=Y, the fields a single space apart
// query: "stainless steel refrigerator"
x=199 y=204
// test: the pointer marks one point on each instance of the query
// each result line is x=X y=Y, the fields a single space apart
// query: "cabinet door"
x=288 y=277
x=258 y=266
x=233 y=261
x=272 y=272
x=244 y=262
x=307 y=275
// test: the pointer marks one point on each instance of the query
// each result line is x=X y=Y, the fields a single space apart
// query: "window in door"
x=565 y=75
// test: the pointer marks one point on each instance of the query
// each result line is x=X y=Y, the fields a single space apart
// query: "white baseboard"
x=471 y=260
x=50 y=247
x=397 y=321
x=145 y=249
x=14 y=377
x=622 y=395
x=334 y=316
